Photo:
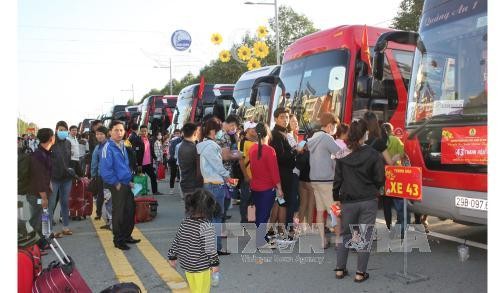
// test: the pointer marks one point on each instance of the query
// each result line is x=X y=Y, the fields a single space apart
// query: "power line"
x=90 y=29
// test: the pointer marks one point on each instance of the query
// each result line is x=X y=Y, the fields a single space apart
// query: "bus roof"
x=345 y=36
x=256 y=73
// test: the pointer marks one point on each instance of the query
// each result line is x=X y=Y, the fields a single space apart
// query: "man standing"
x=92 y=139
x=117 y=176
x=39 y=188
x=75 y=150
x=191 y=179
x=101 y=134
x=172 y=160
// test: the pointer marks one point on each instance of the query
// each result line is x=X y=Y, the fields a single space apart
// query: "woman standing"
x=293 y=207
x=61 y=177
x=265 y=181
x=214 y=174
x=358 y=178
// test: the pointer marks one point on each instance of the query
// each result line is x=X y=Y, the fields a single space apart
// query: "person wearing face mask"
x=358 y=178
x=322 y=146
x=61 y=177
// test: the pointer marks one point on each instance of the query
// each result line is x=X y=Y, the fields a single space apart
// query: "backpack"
x=23 y=172
x=171 y=150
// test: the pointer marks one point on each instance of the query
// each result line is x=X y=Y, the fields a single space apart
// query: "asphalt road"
x=275 y=272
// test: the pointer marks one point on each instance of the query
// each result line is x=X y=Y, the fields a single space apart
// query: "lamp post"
x=170 y=67
x=277 y=25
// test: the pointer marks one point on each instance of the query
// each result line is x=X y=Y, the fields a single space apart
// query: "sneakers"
x=171 y=191
x=267 y=246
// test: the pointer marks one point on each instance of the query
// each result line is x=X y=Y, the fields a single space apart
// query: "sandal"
x=344 y=273
x=364 y=275
x=58 y=234
x=67 y=232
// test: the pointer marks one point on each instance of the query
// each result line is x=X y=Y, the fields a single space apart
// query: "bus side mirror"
x=378 y=65
x=176 y=118
x=364 y=86
x=270 y=81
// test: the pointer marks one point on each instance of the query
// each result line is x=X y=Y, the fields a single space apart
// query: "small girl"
x=194 y=243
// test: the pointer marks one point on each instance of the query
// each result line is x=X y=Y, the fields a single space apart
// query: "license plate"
x=471 y=203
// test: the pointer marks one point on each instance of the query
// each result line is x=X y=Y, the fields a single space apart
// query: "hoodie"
x=211 y=165
x=359 y=175
x=114 y=164
x=321 y=148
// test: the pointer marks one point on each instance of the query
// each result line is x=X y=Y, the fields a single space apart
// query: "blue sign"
x=181 y=40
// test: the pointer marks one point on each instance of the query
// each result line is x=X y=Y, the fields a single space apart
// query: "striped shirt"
x=194 y=245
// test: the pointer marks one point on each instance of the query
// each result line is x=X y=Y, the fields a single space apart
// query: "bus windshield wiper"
x=440 y=118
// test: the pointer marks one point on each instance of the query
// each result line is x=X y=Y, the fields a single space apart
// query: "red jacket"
x=265 y=173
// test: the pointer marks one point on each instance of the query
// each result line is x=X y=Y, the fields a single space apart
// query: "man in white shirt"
x=75 y=150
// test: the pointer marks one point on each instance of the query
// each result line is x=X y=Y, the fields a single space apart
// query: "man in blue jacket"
x=117 y=176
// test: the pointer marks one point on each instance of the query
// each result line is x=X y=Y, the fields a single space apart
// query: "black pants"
x=286 y=176
x=387 y=204
x=148 y=169
x=173 y=173
x=100 y=196
x=123 y=213
x=77 y=166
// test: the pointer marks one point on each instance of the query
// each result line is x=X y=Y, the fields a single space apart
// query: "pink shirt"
x=147 y=152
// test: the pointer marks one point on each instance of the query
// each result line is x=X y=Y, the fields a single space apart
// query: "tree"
x=293 y=26
x=409 y=14
x=130 y=102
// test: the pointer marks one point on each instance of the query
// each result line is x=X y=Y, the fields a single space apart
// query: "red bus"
x=324 y=72
x=446 y=119
x=155 y=113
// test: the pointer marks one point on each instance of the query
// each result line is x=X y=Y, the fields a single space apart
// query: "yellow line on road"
x=169 y=275
x=119 y=262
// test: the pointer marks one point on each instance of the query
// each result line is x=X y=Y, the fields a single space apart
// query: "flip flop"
x=58 y=235
x=67 y=232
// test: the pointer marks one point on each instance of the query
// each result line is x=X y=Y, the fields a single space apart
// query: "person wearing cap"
x=245 y=144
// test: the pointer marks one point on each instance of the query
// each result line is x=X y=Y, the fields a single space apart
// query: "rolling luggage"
x=80 y=199
x=161 y=171
x=60 y=276
x=29 y=266
x=146 y=208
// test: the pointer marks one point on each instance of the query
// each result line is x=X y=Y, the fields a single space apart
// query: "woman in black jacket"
x=358 y=177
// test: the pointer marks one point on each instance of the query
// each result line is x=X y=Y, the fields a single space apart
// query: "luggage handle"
x=52 y=238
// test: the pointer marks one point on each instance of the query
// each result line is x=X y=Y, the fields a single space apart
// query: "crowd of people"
x=281 y=177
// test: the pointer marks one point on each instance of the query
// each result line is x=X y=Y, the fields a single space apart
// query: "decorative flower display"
x=261 y=32
x=216 y=38
x=253 y=64
x=244 y=53
x=225 y=56
x=260 y=50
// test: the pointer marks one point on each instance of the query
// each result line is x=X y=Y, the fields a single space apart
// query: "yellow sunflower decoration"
x=225 y=56
x=253 y=64
x=260 y=49
x=216 y=38
x=261 y=32
x=244 y=53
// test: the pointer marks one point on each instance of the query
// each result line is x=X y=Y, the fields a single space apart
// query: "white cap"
x=249 y=124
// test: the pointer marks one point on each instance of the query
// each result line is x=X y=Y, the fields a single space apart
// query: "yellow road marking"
x=168 y=274
x=119 y=262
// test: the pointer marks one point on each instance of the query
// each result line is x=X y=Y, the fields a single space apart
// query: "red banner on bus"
x=403 y=182
x=464 y=145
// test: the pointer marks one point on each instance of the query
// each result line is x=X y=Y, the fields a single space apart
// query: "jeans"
x=399 y=206
x=244 y=201
x=219 y=193
x=62 y=188
x=264 y=201
x=36 y=213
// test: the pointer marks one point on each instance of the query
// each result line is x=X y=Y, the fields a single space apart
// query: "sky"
x=77 y=58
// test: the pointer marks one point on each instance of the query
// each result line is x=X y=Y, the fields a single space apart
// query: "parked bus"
x=84 y=126
x=169 y=103
x=215 y=99
x=324 y=72
x=155 y=115
x=257 y=109
x=446 y=119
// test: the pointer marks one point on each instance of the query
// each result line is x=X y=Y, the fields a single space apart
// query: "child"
x=194 y=243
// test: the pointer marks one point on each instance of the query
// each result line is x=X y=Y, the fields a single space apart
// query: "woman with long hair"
x=358 y=178
x=265 y=184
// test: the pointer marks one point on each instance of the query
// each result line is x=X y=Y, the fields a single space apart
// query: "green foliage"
x=409 y=14
x=22 y=126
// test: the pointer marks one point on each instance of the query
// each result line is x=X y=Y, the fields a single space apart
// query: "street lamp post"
x=277 y=25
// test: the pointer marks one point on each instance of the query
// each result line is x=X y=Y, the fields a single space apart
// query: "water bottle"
x=45 y=222
x=215 y=279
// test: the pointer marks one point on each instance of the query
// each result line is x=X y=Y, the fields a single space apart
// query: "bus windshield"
x=314 y=84
x=449 y=76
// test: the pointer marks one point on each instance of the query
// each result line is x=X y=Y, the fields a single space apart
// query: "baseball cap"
x=249 y=124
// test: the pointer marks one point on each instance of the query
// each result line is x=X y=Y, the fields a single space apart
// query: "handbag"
x=161 y=171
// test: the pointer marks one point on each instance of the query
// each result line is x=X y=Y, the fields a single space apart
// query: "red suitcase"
x=29 y=266
x=60 y=276
x=145 y=208
x=80 y=199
